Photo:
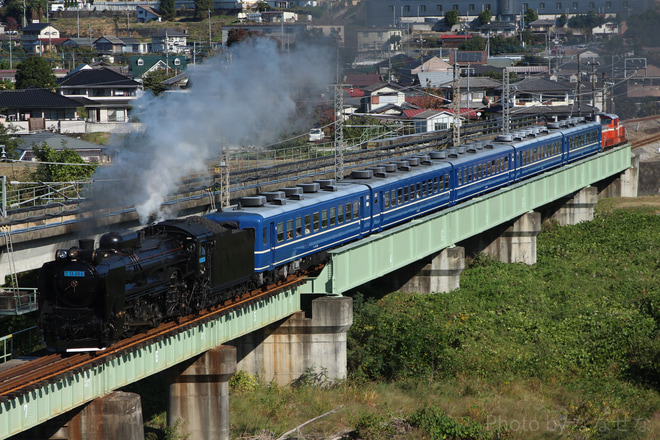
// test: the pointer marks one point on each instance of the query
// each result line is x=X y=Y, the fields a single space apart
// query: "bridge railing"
x=18 y=301
x=18 y=343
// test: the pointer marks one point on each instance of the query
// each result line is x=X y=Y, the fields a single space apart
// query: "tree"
x=152 y=80
x=58 y=165
x=562 y=20
x=477 y=42
x=202 y=7
x=35 y=71
x=485 y=16
x=167 y=9
x=451 y=17
x=530 y=15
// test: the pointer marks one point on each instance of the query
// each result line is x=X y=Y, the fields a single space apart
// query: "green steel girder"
x=380 y=254
x=37 y=406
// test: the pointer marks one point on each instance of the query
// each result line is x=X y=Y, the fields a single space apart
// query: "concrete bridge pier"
x=576 y=209
x=625 y=184
x=199 y=395
x=513 y=242
x=115 y=416
x=440 y=273
x=284 y=351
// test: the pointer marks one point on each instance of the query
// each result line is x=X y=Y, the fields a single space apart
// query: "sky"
x=241 y=98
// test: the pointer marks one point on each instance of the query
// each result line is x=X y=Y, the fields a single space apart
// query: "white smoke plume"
x=244 y=98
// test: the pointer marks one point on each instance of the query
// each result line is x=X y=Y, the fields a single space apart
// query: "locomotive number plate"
x=74 y=273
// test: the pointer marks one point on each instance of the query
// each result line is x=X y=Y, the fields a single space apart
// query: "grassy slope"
x=563 y=349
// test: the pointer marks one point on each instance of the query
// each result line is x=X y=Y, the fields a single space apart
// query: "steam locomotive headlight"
x=73 y=252
x=61 y=254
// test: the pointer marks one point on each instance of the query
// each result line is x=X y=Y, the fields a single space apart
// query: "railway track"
x=646 y=141
x=49 y=369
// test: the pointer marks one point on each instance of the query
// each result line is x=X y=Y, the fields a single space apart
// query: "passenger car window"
x=280 y=232
x=308 y=224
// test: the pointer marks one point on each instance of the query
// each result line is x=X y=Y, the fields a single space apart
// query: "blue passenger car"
x=295 y=223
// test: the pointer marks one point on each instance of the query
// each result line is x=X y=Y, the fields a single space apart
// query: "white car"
x=316 y=134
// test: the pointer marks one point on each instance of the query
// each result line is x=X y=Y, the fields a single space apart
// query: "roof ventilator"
x=290 y=192
x=325 y=182
x=390 y=167
x=413 y=161
x=253 y=201
x=310 y=187
x=442 y=154
x=460 y=149
x=273 y=195
x=504 y=138
x=362 y=174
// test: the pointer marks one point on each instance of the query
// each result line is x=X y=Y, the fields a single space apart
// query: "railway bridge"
x=303 y=326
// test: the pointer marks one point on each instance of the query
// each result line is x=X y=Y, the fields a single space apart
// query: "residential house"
x=106 y=94
x=133 y=45
x=504 y=28
x=543 y=26
x=475 y=92
x=178 y=83
x=109 y=45
x=169 y=40
x=279 y=16
x=35 y=33
x=146 y=13
x=142 y=65
x=381 y=95
x=361 y=79
x=79 y=42
x=533 y=91
x=88 y=151
x=376 y=42
x=427 y=72
x=35 y=109
x=426 y=121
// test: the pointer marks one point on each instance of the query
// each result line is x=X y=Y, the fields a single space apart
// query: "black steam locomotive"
x=90 y=298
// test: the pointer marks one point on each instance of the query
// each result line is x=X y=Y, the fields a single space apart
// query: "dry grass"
x=197 y=30
x=531 y=409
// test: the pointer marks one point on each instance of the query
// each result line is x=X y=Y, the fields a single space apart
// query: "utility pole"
x=579 y=86
x=339 y=132
x=456 y=105
x=209 y=11
x=592 y=79
x=506 y=121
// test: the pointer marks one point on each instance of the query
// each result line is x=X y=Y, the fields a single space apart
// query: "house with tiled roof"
x=106 y=94
x=34 y=33
x=88 y=151
x=146 y=13
x=35 y=109
x=133 y=45
x=109 y=45
x=361 y=79
x=380 y=95
x=141 y=65
x=475 y=91
x=533 y=91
